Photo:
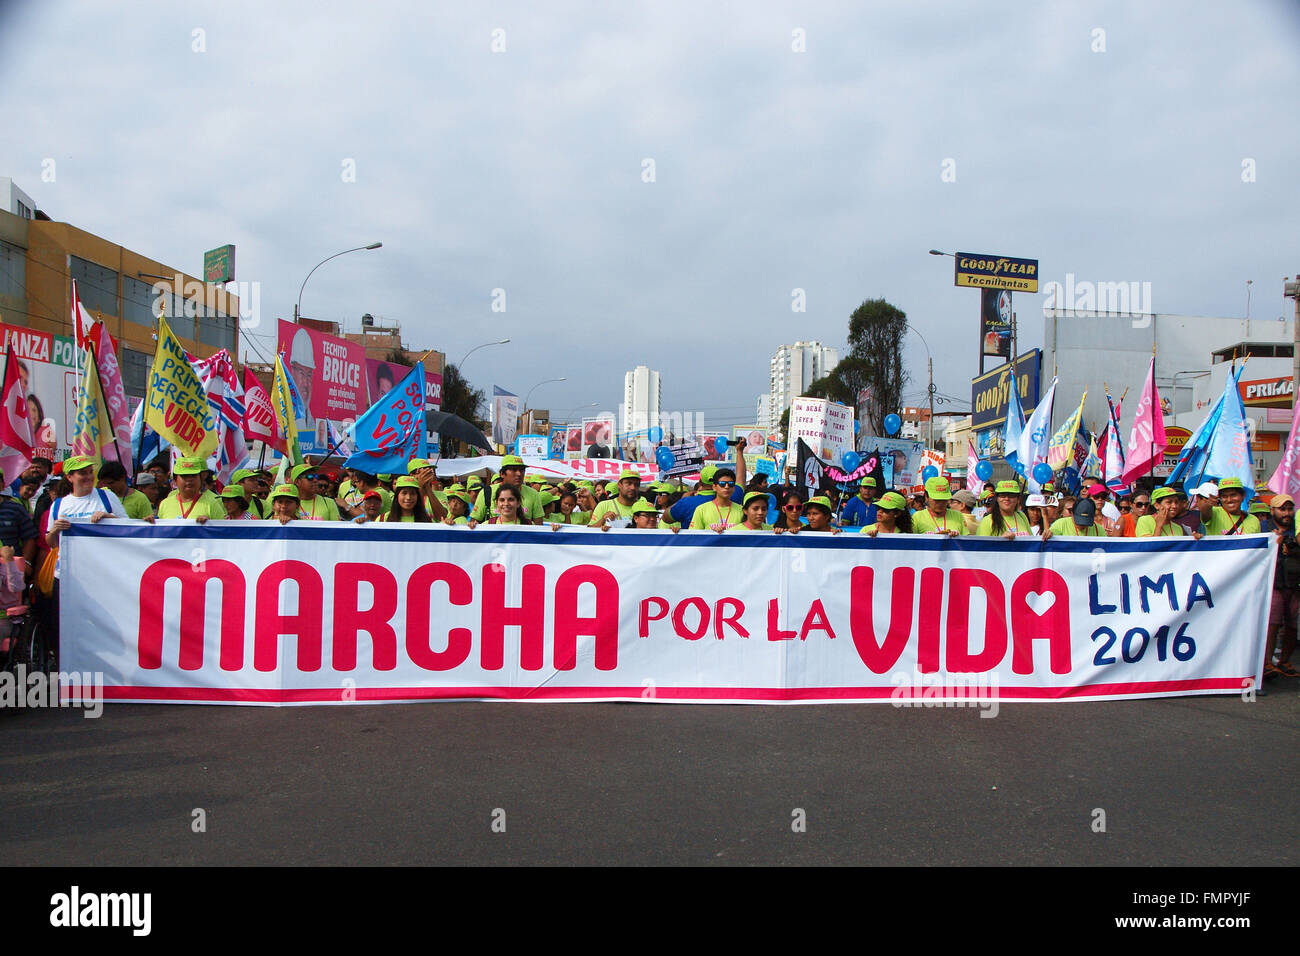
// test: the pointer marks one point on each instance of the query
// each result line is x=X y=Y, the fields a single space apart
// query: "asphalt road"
x=1196 y=780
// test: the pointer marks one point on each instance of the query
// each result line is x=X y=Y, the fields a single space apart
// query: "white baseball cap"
x=1035 y=501
x=1206 y=490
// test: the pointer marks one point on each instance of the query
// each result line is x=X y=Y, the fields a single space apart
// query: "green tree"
x=459 y=397
x=875 y=360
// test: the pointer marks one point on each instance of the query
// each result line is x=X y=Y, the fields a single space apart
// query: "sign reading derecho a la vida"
x=336 y=614
x=995 y=272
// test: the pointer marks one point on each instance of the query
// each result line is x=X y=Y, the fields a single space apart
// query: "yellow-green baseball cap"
x=938 y=489
x=242 y=475
x=1229 y=483
x=415 y=464
x=76 y=463
x=234 y=490
x=183 y=466
x=611 y=487
x=630 y=474
x=512 y=461
x=384 y=478
x=643 y=507
x=460 y=495
x=754 y=496
x=707 y=473
x=1163 y=492
x=821 y=501
x=892 y=501
x=297 y=471
x=406 y=481
x=285 y=491
x=1007 y=486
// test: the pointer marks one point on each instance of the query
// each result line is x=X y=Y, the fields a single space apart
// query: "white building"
x=793 y=369
x=14 y=200
x=641 y=399
x=763 y=413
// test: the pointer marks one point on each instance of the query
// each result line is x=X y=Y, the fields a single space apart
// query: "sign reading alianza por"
x=995 y=272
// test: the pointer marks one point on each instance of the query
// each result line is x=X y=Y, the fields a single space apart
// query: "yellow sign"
x=995 y=272
x=177 y=406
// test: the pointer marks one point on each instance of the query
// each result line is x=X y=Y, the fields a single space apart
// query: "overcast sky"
x=773 y=169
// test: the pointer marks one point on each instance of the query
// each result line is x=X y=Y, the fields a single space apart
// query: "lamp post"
x=529 y=393
x=930 y=387
x=461 y=363
x=297 y=308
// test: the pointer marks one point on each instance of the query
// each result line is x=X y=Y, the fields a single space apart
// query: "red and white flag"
x=1147 y=442
x=259 y=414
x=82 y=322
x=119 y=412
x=16 y=441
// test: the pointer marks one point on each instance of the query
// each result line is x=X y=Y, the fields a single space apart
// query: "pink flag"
x=16 y=443
x=1147 y=443
x=973 y=483
x=119 y=412
x=1286 y=480
x=259 y=414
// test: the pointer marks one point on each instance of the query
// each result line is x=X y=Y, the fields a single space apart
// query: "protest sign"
x=555 y=448
x=826 y=426
x=597 y=437
x=900 y=459
x=534 y=446
x=178 y=408
x=331 y=613
x=688 y=457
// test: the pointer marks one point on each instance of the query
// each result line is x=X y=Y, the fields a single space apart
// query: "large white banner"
x=248 y=612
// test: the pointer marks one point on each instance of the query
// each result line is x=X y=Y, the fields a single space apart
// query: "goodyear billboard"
x=989 y=392
x=995 y=272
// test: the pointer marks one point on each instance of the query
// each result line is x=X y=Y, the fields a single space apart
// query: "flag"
x=146 y=444
x=16 y=441
x=1033 y=444
x=82 y=322
x=285 y=402
x=1147 y=442
x=973 y=483
x=177 y=406
x=226 y=399
x=392 y=431
x=1091 y=464
x=1220 y=448
x=259 y=415
x=1062 y=444
x=1286 y=479
x=1084 y=447
x=93 y=434
x=339 y=441
x=809 y=468
x=114 y=395
x=1015 y=425
x=1112 y=450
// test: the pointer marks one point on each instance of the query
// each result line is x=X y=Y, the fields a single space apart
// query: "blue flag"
x=1014 y=426
x=392 y=431
x=1220 y=448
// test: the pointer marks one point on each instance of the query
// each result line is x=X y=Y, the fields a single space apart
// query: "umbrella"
x=453 y=426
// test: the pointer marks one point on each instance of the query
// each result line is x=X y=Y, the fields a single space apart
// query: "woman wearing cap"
x=408 y=502
x=236 y=505
x=818 y=512
x=1006 y=519
x=284 y=504
x=892 y=516
x=644 y=516
x=458 y=506
x=567 y=510
x=1164 y=522
x=1035 y=507
x=755 y=509
x=191 y=499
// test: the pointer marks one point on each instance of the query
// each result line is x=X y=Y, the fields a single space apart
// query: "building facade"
x=642 y=399
x=792 y=369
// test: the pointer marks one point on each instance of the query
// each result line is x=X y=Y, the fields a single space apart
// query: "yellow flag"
x=178 y=408
x=285 y=419
x=94 y=427
x=1061 y=448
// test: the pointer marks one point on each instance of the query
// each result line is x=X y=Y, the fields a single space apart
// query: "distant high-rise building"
x=641 y=399
x=793 y=369
x=763 y=412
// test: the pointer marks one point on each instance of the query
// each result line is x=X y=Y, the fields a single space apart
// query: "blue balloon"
x=851 y=460
x=656 y=435
x=892 y=424
x=665 y=458
x=1042 y=472
x=984 y=471
x=928 y=472
x=857 y=426
x=720 y=444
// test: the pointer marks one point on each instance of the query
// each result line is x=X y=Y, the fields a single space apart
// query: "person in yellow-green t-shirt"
x=1166 y=502
x=721 y=513
x=755 y=508
x=938 y=518
x=892 y=516
x=1230 y=518
x=1081 y=524
x=1006 y=520
x=629 y=493
x=190 y=499
x=408 y=502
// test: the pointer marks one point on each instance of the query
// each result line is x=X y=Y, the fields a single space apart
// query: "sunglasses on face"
x=1141 y=504
x=791 y=507
x=724 y=484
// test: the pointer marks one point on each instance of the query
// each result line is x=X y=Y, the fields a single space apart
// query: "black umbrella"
x=453 y=426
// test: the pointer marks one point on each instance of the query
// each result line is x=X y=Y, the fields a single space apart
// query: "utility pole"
x=931 y=391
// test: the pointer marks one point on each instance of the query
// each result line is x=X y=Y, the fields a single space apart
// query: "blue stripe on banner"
x=345 y=531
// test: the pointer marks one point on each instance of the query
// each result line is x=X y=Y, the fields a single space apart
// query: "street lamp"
x=930 y=364
x=298 y=305
x=529 y=394
x=461 y=363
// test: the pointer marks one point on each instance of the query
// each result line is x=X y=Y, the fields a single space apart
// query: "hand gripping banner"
x=246 y=612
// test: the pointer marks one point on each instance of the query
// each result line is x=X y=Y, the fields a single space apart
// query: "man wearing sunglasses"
x=312 y=506
x=721 y=513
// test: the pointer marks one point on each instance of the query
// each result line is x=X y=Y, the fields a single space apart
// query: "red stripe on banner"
x=936 y=692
